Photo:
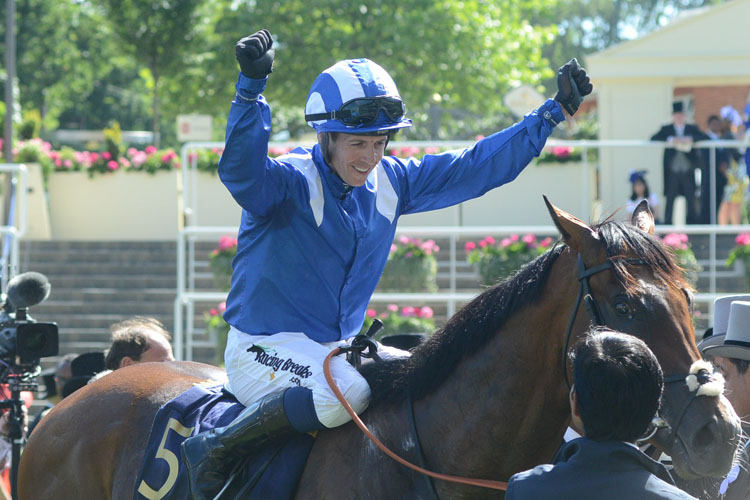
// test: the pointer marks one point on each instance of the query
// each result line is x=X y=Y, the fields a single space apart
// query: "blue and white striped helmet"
x=347 y=80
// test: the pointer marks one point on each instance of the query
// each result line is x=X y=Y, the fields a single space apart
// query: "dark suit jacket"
x=695 y=155
x=593 y=470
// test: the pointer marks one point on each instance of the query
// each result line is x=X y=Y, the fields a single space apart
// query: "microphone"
x=26 y=290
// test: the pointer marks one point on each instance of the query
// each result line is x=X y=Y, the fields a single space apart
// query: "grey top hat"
x=736 y=342
x=721 y=320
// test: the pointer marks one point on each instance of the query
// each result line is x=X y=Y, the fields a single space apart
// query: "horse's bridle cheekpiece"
x=701 y=379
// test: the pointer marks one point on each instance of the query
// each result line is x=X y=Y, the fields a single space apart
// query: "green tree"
x=454 y=55
x=61 y=51
x=158 y=33
x=587 y=26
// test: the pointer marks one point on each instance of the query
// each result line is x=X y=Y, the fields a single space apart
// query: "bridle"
x=585 y=295
x=702 y=375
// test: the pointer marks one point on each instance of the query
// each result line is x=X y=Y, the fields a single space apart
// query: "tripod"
x=17 y=382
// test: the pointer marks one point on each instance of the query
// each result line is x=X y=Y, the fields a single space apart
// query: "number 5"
x=171 y=459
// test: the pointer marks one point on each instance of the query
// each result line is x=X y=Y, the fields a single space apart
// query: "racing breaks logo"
x=269 y=357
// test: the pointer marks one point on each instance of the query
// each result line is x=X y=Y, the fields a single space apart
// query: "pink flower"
x=514 y=237
x=150 y=150
x=408 y=311
x=404 y=240
x=393 y=248
x=409 y=255
x=479 y=137
x=107 y=155
x=139 y=158
x=431 y=150
x=546 y=242
x=490 y=240
x=470 y=245
x=529 y=239
x=426 y=312
x=223 y=306
x=113 y=165
x=213 y=312
x=561 y=151
x=58 y=162
x=94 y=157
x=226 y=242
x=168 y=156
x=192 y=157
x=742 y=239
x=68 y=163
x=483 y=244
x=392 y=307
x=505 y=243
x=124 y=162
x=132 y=152
x=672 y=240
x=371 y=313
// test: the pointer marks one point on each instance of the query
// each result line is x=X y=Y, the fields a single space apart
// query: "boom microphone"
x=26 y=290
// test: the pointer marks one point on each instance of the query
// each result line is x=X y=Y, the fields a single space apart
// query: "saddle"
x=272 y=473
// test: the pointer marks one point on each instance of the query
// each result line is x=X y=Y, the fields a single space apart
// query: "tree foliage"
x=461 y=54
x=59 y=53
x=157 y=33
x=90 y=62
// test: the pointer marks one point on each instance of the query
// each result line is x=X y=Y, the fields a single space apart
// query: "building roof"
x=700 y=43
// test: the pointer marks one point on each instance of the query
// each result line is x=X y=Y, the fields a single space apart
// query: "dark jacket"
x=695 y=155
x=593 y=470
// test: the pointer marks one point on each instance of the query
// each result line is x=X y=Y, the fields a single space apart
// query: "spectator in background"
x=732 y=358
x=640 y=192
x=735 y=191
x=715 y=132
x=138 y=340
x=617 y=389
x=680 y=162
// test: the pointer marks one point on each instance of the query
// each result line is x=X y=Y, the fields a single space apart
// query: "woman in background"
x=640 y=192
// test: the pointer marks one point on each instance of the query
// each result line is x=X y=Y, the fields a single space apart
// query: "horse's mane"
x=471 y=327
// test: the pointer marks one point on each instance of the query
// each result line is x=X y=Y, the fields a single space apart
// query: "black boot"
x=210 y=456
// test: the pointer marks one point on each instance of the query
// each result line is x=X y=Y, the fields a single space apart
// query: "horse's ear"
x=643 y=219
x=575 y=233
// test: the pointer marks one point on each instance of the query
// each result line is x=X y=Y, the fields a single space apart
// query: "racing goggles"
x=363 y=111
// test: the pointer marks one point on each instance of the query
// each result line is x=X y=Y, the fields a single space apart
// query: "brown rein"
x=483 y=483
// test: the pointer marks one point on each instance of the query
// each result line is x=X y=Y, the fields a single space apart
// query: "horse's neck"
x=505 y=408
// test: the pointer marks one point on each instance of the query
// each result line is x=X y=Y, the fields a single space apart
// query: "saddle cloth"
x=163 y=475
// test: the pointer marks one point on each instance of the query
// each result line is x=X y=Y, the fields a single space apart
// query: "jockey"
x=316 y=230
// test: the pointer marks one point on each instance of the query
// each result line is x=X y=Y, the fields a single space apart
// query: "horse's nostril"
x=706 y=436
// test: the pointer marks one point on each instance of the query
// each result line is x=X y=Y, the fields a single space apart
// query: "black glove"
x=572 y=85
x=255 y=54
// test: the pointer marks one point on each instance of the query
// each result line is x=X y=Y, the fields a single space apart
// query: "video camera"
x=23 y=341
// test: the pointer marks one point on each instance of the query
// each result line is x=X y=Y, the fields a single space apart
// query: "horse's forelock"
x=624 y=241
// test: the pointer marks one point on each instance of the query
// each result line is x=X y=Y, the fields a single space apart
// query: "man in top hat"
x=732 y=359
x=680 y=161
x=715 y=334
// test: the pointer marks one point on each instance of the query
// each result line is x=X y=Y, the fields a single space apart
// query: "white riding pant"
x=258 y=365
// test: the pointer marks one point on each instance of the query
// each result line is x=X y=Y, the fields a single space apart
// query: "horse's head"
x=629 y=282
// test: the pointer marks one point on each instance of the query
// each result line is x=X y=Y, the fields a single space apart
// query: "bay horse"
x=488 y=391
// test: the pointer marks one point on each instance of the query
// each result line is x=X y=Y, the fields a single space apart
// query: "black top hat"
x=83 y=368
x=87 y=364
x=677 y=107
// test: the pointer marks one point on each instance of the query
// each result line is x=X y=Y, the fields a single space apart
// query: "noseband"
x=699 y=378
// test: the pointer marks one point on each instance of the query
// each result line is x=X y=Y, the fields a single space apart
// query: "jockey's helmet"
x=355 y=96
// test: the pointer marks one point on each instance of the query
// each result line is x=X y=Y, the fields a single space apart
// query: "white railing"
x=188 y=296
x=12 y=233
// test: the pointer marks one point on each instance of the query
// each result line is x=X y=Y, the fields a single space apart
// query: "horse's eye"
x=622 y=308
x=690 y=299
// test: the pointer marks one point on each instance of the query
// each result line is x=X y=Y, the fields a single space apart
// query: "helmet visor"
x=363 y=111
